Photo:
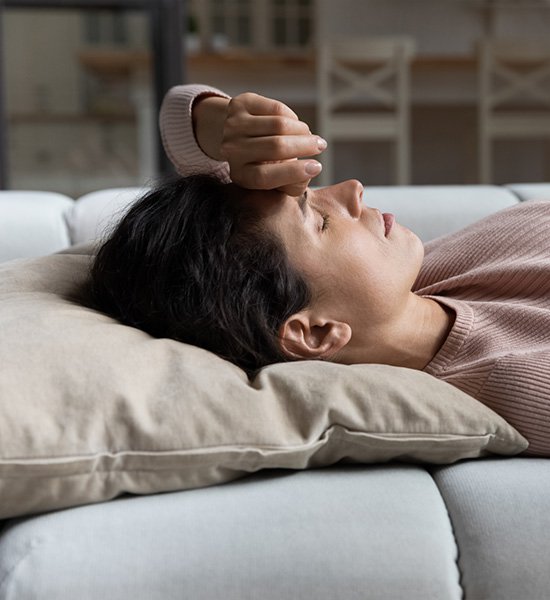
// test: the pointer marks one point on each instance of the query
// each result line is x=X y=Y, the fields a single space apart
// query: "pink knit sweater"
x=494 y=274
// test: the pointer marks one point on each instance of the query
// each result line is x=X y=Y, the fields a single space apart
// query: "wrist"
x=208 y=114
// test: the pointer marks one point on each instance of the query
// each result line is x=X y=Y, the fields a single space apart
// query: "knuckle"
x=246 y=98
x=225 y=150
x=278 y=108
x=278 y=146
x=281 y=125
x=259 y=177
x=239 y=175
x=228 y=147
x=231 y=128
x=234 y=104
x=240 y=102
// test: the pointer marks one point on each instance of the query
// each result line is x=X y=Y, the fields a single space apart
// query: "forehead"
x=271 y=205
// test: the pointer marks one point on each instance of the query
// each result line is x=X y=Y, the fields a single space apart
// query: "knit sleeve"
x=178 y=137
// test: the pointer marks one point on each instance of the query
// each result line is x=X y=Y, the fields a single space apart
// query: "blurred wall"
x=47 y=86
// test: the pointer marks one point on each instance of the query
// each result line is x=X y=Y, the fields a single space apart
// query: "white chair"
x=363 y=94
x=514 y=95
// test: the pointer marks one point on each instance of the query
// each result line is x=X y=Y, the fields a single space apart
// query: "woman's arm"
x=178 y=136
x=260 y=140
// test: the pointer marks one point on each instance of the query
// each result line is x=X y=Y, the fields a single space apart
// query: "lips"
x=388 y=222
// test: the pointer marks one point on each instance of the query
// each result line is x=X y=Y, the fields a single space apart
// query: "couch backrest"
x=39 y=223
x=431 y=211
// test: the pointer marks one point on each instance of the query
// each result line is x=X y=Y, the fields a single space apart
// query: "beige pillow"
x=90 y=408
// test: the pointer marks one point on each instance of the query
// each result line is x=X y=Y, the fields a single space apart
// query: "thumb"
x=294 y=189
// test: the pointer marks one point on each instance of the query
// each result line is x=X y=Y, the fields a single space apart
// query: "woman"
x=270 y=270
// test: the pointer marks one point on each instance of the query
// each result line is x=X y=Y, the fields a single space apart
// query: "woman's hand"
x=262 y=139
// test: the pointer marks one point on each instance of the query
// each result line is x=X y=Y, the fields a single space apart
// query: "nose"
x=351 y=196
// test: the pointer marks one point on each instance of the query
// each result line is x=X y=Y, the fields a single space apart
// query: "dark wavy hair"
x=189 y=261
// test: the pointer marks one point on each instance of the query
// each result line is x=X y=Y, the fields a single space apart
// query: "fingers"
x=252 y=115
x=294 y=189
x=272 y=148
x=265 y=144
x=260 y=105
x=290 y=174
x=260 y=126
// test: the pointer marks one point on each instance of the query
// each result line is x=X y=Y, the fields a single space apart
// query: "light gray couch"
x=478 y=530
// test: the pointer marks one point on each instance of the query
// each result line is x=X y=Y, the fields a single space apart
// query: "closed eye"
x=303 y=204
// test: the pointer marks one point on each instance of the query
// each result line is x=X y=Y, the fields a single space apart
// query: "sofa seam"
x=457 y=545
x=506 y=187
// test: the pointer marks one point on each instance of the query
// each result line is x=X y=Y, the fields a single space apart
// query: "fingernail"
x=321 y=143
x=313 y=167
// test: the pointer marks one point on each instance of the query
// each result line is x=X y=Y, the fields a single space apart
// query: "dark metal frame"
x=167 y=33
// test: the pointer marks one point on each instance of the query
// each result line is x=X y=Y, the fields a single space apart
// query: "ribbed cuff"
x=178 y=137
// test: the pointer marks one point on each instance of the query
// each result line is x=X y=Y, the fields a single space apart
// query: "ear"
x=306 y=336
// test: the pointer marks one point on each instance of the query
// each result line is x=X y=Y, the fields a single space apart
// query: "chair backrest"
x=514 y=71
x=364 y=70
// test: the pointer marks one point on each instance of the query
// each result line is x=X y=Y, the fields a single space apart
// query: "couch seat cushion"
x=349 y=532
x=500 y=511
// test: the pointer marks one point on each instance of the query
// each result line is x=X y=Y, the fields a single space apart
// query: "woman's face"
x=356 y=272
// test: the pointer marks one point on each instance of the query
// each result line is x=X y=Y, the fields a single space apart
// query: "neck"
x=411 y=340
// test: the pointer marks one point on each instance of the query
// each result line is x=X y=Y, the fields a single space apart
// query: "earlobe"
x=303 y=336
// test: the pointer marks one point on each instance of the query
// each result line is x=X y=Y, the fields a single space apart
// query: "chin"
x=416 y=254
x=417 y=247
x=420 y=248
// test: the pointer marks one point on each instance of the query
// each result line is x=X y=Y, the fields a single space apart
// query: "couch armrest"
x=32 y=223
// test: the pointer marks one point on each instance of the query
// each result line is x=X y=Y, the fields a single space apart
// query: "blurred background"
x=406 y=91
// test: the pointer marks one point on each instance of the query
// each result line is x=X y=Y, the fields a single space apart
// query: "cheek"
x=379 y=265
x=355 y=269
